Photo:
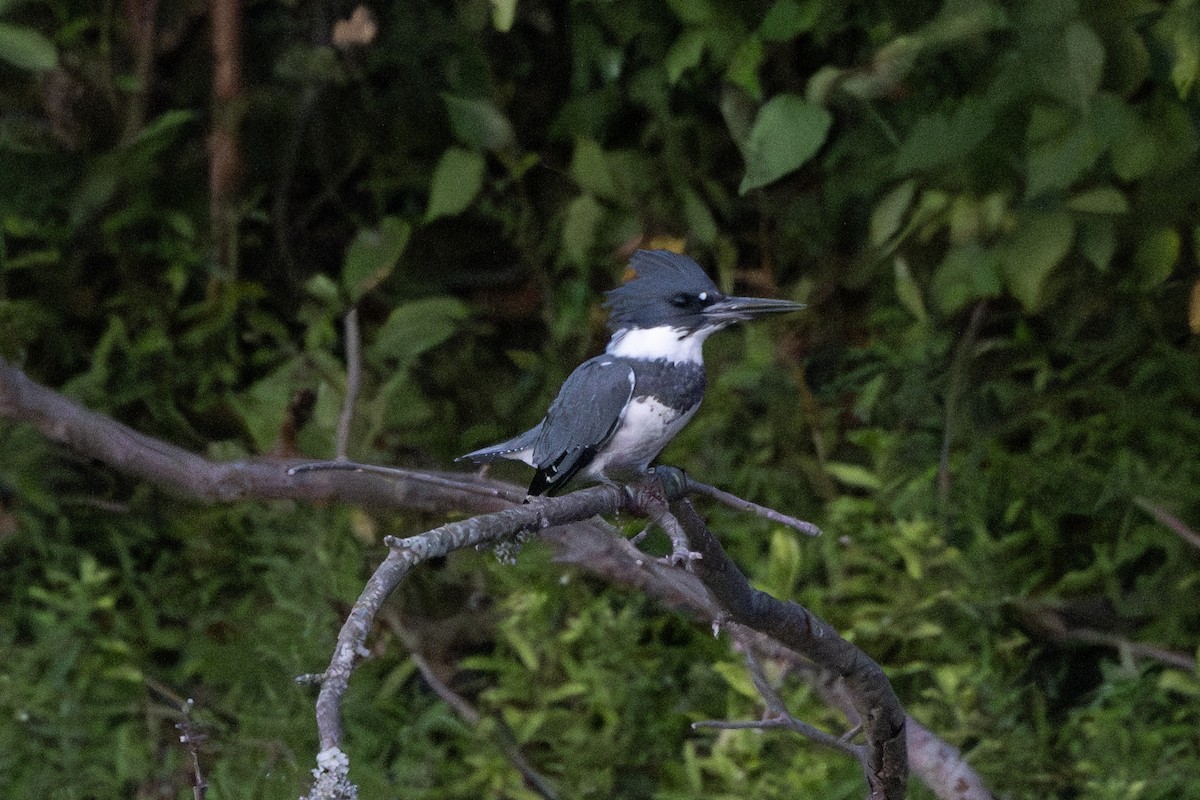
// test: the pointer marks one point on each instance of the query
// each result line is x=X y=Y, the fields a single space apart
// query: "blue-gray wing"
x=584 y=416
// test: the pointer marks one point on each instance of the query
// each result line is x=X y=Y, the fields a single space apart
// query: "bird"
x=616 y=412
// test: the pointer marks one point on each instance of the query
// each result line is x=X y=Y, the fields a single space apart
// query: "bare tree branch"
x=799 y=629
x=735 y=502
x=404 y=554
x=1168 y=519
x=591 y=544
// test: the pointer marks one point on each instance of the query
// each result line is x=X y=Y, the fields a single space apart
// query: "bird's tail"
x=519 y=448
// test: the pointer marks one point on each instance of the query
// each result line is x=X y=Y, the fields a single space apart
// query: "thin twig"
x=1168 y=519
x=189 y=735
x=353 y=380
x=1091 y=636
x=733 y=501
x=465 y=484
x=779 y=709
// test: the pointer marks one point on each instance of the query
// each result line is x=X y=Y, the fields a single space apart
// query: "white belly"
x=644 y=431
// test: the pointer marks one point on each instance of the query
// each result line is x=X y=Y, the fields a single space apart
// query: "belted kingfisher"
x=617 y=411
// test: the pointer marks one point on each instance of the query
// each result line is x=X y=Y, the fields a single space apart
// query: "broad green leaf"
x=1136 y=153
x=1178 y=31
x=685 y=53
x=854 y=475
x=590 y=169
x=1085 y=59
x=1032 y=251
x=579 y=228
x=1098 y=241
x=787 y=132
x=699 y=219
x=962 y=19
x=692 y=12
x=27 y=49
x=1055 y=163
x=1156 y=256
x=372 y=255
x=478 y=124
x=504 y=13
x=262 y=407
x=457 y=179
x=416 y=327
x=738 y=112
x=743 y=67
x=968 y=272
x=787 y=19
x=889 y=213
x=1100 y=200
x=944 y=138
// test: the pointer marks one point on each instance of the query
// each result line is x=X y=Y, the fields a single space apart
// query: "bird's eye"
x=685 y=300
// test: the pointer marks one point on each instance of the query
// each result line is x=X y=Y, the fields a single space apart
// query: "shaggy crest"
x=658 y=276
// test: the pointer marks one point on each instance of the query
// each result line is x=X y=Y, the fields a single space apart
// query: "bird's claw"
x=682 y=558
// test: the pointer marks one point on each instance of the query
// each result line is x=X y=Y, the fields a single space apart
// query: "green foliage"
x=990 y=208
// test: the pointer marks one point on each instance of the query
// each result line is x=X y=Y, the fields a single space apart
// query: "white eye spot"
x=703 y=296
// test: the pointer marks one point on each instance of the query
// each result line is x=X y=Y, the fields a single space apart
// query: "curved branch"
x=591 y=544
x=800 y=630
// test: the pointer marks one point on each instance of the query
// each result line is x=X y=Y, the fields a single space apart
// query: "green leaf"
x=579 y=228
x=504 y=13
x=968 y=272
x=787 y=19
x=889 y=213
x=908 y=292
x=1156 y=256
x=1032 y=251
x=1135 y=153
x=743 y=67
x=1178 y=32
x=1055 y=163
x=1101 y=200
x=27 y=49
x=944 y=138
x=787 y=132
x=1098 y=241
x=699 y=219
x=372 y=256
x=590 y=169
x=854 y=475
x=685 y=53
x=457 y=179
x=478 y=123
x=692 y=12
x=1085 y=60
x=1177 y=682
x=738 y=679
x=417 y=326
x=263 y=406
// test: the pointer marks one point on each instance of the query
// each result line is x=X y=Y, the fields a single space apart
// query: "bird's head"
x=670 y=290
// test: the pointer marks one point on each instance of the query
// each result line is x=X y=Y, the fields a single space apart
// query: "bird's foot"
x=682 y=557
x=681 y=554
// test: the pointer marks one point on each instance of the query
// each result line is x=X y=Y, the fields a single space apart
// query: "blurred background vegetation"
x=991 y=407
